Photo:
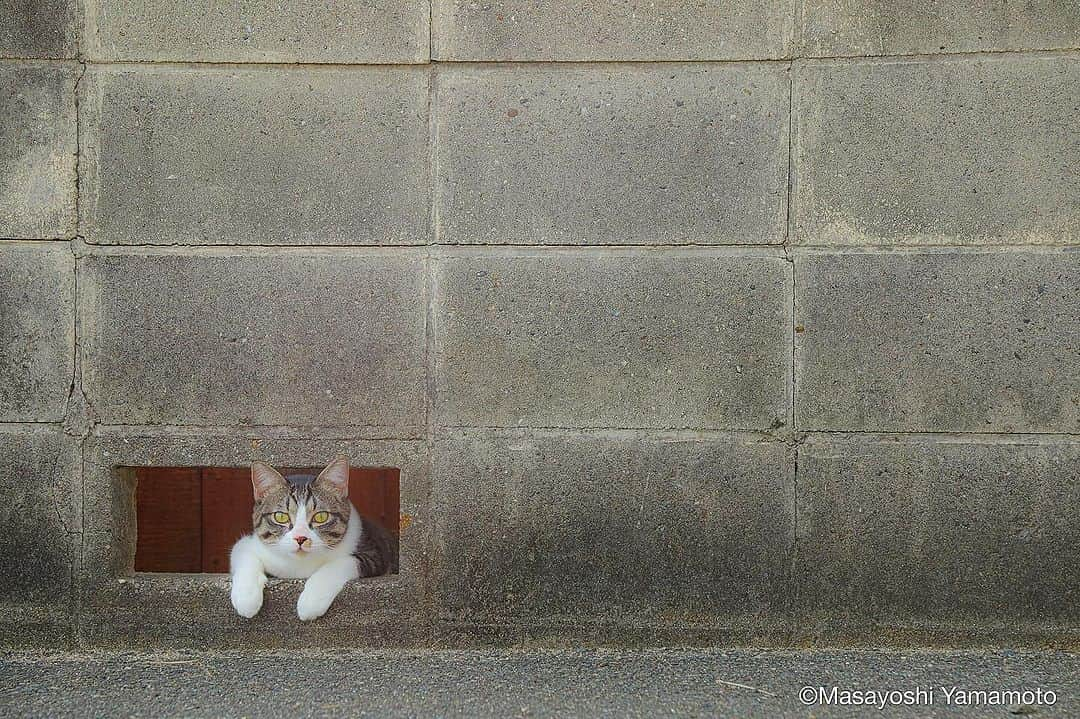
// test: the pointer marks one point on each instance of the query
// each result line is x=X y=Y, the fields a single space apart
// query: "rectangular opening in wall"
x=188 y=518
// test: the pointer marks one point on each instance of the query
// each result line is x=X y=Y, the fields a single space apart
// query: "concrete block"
x=256 y=156
x=903 y=531
x=338 y=31
x=938 y=342
x=624 y=339
x=271 y=337
x=40 y=492
x=121 y=608
x=612 y=526
x=960 y=151
x=39 y=29
x=37 y=330
x=623 y=155
x=37 y=150
x=501 y=30
x=911 y=27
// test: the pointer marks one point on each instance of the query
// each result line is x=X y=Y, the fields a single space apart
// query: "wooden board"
x=189 y=518
x=168 y=505
x=227 y=503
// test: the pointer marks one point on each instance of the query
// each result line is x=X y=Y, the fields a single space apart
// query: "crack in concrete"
x=201 y=65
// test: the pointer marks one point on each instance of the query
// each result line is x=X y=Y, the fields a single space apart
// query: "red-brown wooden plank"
x=392 y=501
x=382 y=515
x=365 y=491
x=227 y=502
x=168 y=505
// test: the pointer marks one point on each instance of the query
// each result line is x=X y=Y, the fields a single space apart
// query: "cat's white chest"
x=294 y=567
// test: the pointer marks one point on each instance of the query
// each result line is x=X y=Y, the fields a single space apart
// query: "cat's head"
x=301 y=513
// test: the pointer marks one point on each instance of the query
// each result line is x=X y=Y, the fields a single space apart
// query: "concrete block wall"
x=684 y=322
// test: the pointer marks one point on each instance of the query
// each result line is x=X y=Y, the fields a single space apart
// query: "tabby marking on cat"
x=305 y=527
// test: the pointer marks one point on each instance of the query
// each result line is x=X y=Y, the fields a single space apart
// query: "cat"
x=305 y=527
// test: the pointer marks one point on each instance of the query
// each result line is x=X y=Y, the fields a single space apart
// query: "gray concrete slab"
x=339 y=31
x=271 y=337
x=625 y=526
x=37 y=150
x=612 y=154
x=39 y=28
x=902 y=530
x=891 y=27
x=254 y=155
x=561 y=30
x=37 y=330
x=535 y=683
x=940 y=341
x=40 y=542
x=974 y=150
x=549 y=339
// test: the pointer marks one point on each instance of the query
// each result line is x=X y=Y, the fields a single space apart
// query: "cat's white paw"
x=312 y=604
x=247 y=599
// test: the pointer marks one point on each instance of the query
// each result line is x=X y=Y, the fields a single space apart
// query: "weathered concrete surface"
x=927 y=530
x=255 y=156
x=624 y=339
x=626 y=154
x=120 y=608
x=502 y=30
x=250 y=337
x=938 y=342
x=339 y=31
x=532 y=683
x=673 y=529
x=888 y=27
x=37 y=150
x=38 y=28
x=938 y=151
x=37 y=330
x=42 y=501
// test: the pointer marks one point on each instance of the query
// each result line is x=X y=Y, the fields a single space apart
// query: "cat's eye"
x=320 y=517
x=281 y=517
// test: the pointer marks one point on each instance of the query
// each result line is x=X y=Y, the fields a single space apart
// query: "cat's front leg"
x=322 y=586
x=248 y=578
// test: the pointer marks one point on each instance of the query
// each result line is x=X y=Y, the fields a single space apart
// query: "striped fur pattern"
x=296 y=492
x=305 y=527
x=376 y=552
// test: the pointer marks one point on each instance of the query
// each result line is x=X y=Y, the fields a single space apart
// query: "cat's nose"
x=300 y=541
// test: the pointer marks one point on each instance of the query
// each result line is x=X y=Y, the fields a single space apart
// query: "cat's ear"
x=336 y=476
x=264 y=478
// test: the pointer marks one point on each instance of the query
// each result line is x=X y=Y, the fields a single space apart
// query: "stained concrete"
x=37 y=330
x=389 y=31
x=578 y=284
x=665 y=529
x=37 y=150
x=929 y=528
x=938 y=342
x=560 y=31
x=696 y=340
x=42 y=519
x=621 y=155
x=267 y=156
x=533 y=683
x=38 y=28
x=952 y=151
x=887 y=27
x=256 y=338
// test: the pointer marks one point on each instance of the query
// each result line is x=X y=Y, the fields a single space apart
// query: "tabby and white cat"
x=306 y=528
